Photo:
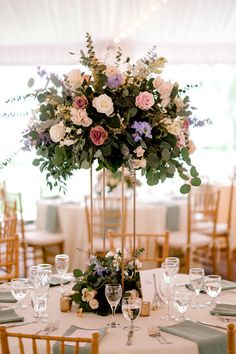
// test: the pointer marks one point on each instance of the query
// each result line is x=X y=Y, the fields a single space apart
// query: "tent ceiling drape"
x=185 y=31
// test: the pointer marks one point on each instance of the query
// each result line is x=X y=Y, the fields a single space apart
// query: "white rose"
x=80 y=117
x=103 y=104
x=57 y=132
x=179 y=103
x=174 y=128
x=75 y=78
x=158 y=82
x=86 y=122
x=88 y=295
x=93 y=304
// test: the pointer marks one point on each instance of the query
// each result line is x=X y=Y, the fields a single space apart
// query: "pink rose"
x=186 y=125
x=80 y=102
x=144 y=100
x=98 y=135
x=181 y=140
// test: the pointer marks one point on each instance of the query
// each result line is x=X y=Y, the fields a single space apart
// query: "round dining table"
x=115 y=339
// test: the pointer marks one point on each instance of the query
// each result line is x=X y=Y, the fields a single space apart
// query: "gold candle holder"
x=145 y=309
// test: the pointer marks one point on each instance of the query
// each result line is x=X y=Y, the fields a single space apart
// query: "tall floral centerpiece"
x=118 y=115
x=121 y=116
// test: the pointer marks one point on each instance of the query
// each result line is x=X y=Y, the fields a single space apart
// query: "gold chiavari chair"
x=9 y=249
x=231 y=338
x=112 y=220
x=47 y=340
x=156 y=246
x=202 y=207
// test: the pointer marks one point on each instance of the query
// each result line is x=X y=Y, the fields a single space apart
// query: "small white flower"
x=109 y=254
x=68 y=142
x=139 y=151
x=57 y=132
x=103 y=104
x=75 y=78
x=79 y=131
x=88 y=295
x=68 y=130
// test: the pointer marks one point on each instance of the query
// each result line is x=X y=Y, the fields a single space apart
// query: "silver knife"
x=18 y=324
x=211 y=325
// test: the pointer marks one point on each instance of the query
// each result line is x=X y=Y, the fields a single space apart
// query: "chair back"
x=9 y=249
x=156 y=246
x=39 y=340
x=100 y=219
x=231 y=338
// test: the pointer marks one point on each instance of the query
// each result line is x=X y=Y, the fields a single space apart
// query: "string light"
x=137 y=22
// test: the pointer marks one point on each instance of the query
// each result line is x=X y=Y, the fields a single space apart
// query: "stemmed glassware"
x=113 y=293
x=131 y=310
x=181 y=303
x=175 y=261
x=196 y=276
x=213 y=286
x=39 y=304
x=62 y=265
x=42 y=280
x=19 y=288
x=166 y=290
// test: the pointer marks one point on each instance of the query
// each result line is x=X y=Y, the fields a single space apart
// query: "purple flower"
x=115 y=80
x=141 y=128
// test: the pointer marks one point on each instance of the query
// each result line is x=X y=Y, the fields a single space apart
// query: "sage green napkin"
x=55 y=280
x=226 y=285
x=69 y=349
x=172 y=218
x=52 y=223
x=10 y=316
x=209 y=340
x=224 y=310
x=6 y=296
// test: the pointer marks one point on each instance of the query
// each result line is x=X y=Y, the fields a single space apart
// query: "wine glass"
x=131 y=310
x=113 y=293
x=196 y=276
x=32 y=273
x=19 y=288
x=174 y=260
x=39 y=304
x=181 y=303
x=42 y=280
x=213 y=285
x=62 y=265
x=169 y=270
x=166 y=290
x=45 y=266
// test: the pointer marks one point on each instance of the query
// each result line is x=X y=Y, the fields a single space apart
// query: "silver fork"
x=45 y=328
x=55 y=325
x=154 y=332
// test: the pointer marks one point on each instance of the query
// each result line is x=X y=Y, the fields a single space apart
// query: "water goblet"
x=42 y=280
x=131 y=310
x=196 y=276
x=213 y=285
x=113 y=293
x=39 y=304
x=19 y=288
x=62 y=265
x=181 y=303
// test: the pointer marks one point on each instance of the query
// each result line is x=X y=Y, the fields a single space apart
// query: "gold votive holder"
x=145 y=309
x=66 y=302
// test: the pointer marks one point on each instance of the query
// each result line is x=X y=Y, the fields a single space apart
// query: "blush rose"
x=98 y=135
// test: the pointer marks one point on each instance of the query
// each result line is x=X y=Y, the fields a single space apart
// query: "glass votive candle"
x=145 y=309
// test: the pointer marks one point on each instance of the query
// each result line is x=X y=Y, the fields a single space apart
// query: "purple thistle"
x=115 y=80
x=141 y=128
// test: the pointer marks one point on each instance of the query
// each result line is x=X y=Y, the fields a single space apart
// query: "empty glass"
x=42 y=280
x=62 y=265
x=19 y=288
x=169 y=271
x=213 y=285
x=32 y=273
x=175 y=261
x=39 y=304
x=181 y=303
x=45 y=266
x=113 y=293
x=131 y=310
x=166 y=290
x=196 y=276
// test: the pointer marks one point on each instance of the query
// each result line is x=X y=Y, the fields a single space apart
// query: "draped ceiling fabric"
x=185 y=31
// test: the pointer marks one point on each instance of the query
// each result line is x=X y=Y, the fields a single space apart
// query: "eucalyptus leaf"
x=196 y=181
x=185 y=188
x=31 y=82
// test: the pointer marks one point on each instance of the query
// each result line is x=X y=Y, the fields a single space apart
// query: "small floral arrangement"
x=113 y=180
x=122 y=114
x=90 y=286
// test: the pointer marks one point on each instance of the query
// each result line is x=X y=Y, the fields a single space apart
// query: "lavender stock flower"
x=141 y=128
x=115 y=80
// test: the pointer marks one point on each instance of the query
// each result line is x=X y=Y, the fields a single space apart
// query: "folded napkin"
x=172 y=218
x=6 y=296
x=55 y=280
x=209 y=340
x=52 y=223
x=224 y=310
x=69 y=349
x=226 y=285
x=10 y=316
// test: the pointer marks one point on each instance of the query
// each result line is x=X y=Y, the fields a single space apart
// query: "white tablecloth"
x=150 y=218
x=114 y=341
